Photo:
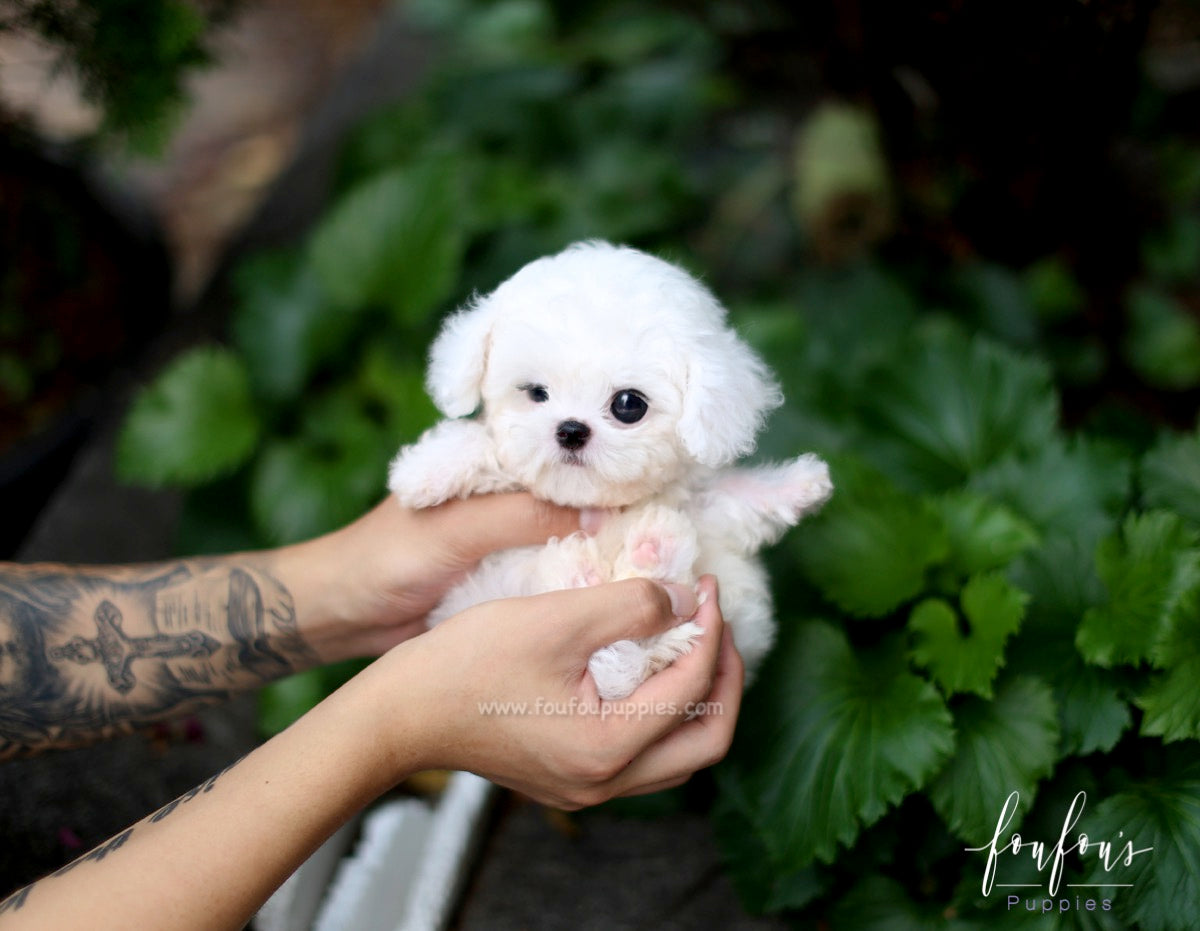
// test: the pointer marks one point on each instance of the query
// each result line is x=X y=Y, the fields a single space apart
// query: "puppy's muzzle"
x=571 y=434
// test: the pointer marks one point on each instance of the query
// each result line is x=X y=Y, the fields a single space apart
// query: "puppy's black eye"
x=537 y=393
x=628 y=406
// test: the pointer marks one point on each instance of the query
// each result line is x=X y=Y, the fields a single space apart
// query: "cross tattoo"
x=117 y=651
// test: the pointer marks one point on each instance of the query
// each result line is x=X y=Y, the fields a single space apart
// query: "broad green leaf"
x=284 y=325
x=194 y=423
x=331 y=473
x=1005 y=745
x=1075 y=488
x=393 y=241
x=869 y=548
x=762 y=886
x=1162 y=817
x=1172 y=701
x=397 y=386
x=830 y=739
x=1060 y=577
x=983 y=535
x=517 y=103
x=949 y=407
x=1163 y=342
x=1148 y=570
x=623 y=190
x=880 y=903
x=963 y=653
x=1094 y=714
x=1170 y=475
x=857 y=316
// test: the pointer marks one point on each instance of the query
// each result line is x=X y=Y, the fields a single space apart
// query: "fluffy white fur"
x=555 y=345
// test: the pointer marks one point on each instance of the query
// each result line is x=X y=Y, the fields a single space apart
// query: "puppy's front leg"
x=753 y=507
x=454 y=459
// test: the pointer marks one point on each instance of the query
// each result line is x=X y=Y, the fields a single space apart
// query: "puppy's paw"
x=421 y=477
x=570 y=562
x=621 y=667
x=454 y=459
x=805 y=484
x=618 y=669
x=752 y=507
x=661 y=544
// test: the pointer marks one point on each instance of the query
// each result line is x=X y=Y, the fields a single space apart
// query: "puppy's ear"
x=458 y=358
x=727 y=398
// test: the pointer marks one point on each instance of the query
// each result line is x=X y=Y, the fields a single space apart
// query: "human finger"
x=485 y=523
x=700 y=741
x=595 y=616
x=690 y=678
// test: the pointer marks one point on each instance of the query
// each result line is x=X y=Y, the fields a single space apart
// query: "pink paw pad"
x=586 y=578
x=646 y=555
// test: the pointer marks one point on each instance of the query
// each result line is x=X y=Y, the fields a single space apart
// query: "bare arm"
x=211 y=858
x=92 y=652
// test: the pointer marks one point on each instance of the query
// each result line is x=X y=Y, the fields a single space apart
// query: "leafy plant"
x=987 y=602
x=998 y=599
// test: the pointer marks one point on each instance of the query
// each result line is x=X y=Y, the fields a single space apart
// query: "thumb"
x=486 y=523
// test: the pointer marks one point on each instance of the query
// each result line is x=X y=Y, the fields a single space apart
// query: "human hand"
x=372 y=583
x=503 y=690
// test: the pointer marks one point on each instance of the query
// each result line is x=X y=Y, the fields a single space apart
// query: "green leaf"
x=869 y=548
x=1170 y=475
x=983 y=534
x=857 y=316
x=1061 y=579
x=1075 y=488
x=397 y=386
x=1005 y=745
x=284 y=325
x=1093 y=713
x=949 y=407
x=964 y=654
x=392 y=241
x=829 y=740
x=762 y=886
x=331 y=473
x=194 y=423
x=1172 y=702
x=880 y=903
x=1163 y=342
x=1147 y=569
x=1160 y=816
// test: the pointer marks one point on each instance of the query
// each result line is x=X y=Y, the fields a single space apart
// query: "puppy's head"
x=604 y=374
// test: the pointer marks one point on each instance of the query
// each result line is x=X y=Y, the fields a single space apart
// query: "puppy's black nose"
x=572 y=434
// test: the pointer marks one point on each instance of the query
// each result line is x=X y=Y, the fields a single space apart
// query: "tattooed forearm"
x=18 y=899
x=86 y=654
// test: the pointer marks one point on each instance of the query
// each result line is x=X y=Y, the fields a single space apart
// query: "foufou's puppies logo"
x=1110 y=853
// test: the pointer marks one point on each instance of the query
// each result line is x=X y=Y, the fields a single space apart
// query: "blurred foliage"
x=1003 y=594
x=131 y=56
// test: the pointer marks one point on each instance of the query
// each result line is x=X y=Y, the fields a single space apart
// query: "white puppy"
x=603 y=377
